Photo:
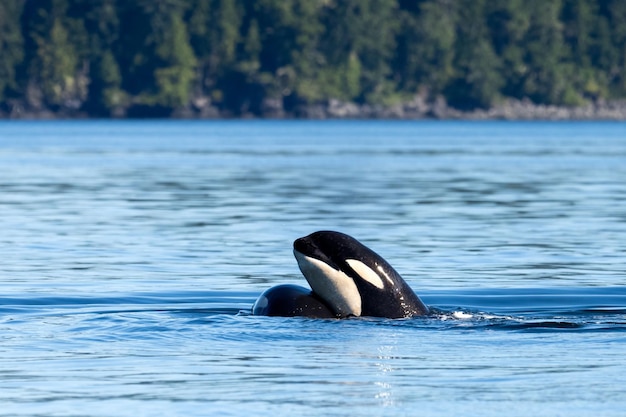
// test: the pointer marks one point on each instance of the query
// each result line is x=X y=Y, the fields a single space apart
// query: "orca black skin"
x=353 y=279
x=347 y=279
x=289 y=301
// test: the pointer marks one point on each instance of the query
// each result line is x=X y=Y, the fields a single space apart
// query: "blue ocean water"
x=133 y=251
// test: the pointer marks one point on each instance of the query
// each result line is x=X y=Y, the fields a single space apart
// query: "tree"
x=102 y=23
x=214 y=30
x=157 y=61
x=548 y=74
x=508 y=22
x=582 y=28
x=175 y=76
x=578 y=17
x=54 y=64
x=354 y=51
x=105 y=87
x=289 y=31
x=11 y=45
x=477 y=80
x=615 y=12
x=276 y=57
x=426 y=46
x=152 y=57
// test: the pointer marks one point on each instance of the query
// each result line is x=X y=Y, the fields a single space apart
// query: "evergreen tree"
x=214 y=30
x=102 y=23
x=289 y=32
x=156 y=56
x=107 y=79
x=11 y=45
x=477 y=81
x=426 y=45
x=603 y=53
x=508 y=22
x=175 y=76
x=548 y=74
x=157 y=61
x=53 y=62
x=301 y=69
x=358 y=44
x=578 y=17
x=581 y=30
x=615 y=12
x=276 y=54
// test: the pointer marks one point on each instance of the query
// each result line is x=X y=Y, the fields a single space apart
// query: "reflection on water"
x=132 y=251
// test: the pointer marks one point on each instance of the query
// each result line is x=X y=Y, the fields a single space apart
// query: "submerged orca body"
x=347 y=279
x=291 y=300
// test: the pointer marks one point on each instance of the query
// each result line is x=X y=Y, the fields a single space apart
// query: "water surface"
x=133 y=251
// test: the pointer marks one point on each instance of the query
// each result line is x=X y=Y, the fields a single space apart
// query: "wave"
x=518 y=309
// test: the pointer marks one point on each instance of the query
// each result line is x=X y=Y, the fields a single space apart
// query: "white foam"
x=462 y=315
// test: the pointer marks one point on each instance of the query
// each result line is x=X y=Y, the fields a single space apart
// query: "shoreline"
x=416 y=109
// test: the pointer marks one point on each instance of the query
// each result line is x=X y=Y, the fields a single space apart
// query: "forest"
x=146 y=58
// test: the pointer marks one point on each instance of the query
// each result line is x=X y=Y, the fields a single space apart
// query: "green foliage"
x=426 y=46
x=174 y=79
x=58 y=62
x=54 y=63
x=109 y=55
x=109 y=94
x=360 y=36
x=477 y=80
x=214 y=32
x=11 y=44
x=508 y=22
x=615 y=12
x=547 y=79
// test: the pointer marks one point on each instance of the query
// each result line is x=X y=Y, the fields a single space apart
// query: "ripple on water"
x=130 y=248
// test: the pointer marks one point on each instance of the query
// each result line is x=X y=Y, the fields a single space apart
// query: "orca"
x=347 y=280
x=289 y=301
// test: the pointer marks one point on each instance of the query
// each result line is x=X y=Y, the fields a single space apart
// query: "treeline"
x=237 y=57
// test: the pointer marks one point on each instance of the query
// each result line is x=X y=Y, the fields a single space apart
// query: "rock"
x=343 y=110
x=311 y=111
x=272 y=108
x=420 y=106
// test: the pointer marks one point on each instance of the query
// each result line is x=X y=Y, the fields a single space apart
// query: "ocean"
x=134 y=250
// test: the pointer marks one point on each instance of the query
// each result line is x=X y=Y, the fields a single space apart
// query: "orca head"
x=352 y=279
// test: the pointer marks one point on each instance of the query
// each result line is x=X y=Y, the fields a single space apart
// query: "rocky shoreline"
x=439 y=110
x=416 y=109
